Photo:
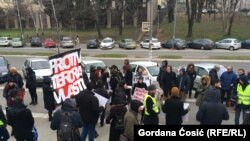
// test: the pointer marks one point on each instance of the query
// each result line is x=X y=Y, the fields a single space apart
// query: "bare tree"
x=231 y=14
x=120 y=9
x=31 y=12
x=191 y=15
x=200 y=7
x=40 y=3
x=171 y=7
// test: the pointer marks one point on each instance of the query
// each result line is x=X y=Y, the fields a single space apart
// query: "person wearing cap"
x=243 y=98
x=174 y=109
x=151 y=110
x=131 y=119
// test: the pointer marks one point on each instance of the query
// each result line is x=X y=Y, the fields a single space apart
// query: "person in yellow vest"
x=151 y=110
x=4 y=134
x=243 y=98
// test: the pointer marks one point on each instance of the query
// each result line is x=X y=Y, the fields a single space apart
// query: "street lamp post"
x=175 y=12
x=151 y=31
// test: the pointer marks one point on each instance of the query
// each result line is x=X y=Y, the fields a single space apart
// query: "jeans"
x=238 y=110
x=88 y=129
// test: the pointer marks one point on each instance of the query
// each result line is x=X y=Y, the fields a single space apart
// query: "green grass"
x=111 y=55
x=208 y=28
x=34 y=53
x=169 y=57
x=230 y=57
x=129 y=32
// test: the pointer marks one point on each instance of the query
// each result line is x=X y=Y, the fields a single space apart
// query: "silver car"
x=66 y=42
x=156 y=44
x=228 y=43
x=40 y=66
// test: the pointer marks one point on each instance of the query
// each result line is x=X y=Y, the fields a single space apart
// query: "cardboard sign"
x=102 y=100
x=139 y=94
x=66 y=74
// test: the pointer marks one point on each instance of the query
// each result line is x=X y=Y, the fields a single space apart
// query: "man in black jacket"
x=89 y=110
x=31 y=85
x=21 y=120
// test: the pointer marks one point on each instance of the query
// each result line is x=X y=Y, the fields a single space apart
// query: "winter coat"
x=213 y=76
x=88 y=106
x=168 y=80
x=4 y=134
x=116 y=110
x=21 y=120
x=128 y=77
x=11 y=92
x=212 y=111
x=31 y=79
x=48 y=97
x=183 y=83
x=227 y=80
x=67 y=106
x=102 y=92
x=17 y=78
x=201 y=89
x=139 y=85
x=174 y=110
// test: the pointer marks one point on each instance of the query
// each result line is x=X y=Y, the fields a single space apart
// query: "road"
x=140 y=53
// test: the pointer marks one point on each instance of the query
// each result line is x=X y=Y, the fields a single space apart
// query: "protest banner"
x=66 y=74
x=139 y=94
x=146 y=80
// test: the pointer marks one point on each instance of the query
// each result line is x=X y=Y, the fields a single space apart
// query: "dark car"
x=245 y=44
x=35 y=42
x=176 y=43
x=92 y=43
x=4 y=69
x=201 y=44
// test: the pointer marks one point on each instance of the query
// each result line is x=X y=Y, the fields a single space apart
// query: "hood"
x=244 y=79
x=135 y=104
x=213 y=96
x=206 y=78
x=68 y=105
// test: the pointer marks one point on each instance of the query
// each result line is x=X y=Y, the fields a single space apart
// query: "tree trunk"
x=200 y=7
x=7 y=24
x=120 y=23
x=109 y=17
x=98 y=28
x=135 y=18
x=231 y=18
x=191 y=16
x=171 y=6
x=223 y=14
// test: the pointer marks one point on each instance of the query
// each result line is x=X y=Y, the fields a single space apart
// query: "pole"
x=151 y=31
x=175 y=11
x=19 y=18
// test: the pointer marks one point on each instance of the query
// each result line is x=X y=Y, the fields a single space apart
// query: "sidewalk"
x=46 y=134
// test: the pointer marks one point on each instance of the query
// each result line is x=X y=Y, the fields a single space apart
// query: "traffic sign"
x=145 y=26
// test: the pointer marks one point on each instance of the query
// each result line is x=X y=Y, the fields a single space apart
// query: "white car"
x=228 y=43
x=107 y=43
x=5 y=41
x=66 y=42
x=156 y=44
x=151 y=68
x=203 y=69
x=40 y=66
x=90 y=62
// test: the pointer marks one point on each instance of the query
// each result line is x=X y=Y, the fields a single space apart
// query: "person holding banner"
x=139 y=84
x=151 y=110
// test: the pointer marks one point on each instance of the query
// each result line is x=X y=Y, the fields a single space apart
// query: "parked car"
x=127 y=44
x=66 y=42
x=176 y=43
x=245 y=44
x=203 y=69
x=228 y=43
x=4 y=69
x=156 y=44
x=212 y=10
x=93 y=43
x=49 y=43
x=151 y=68
x=201 y=44
x=40 y=66
x=35 y=42
x=107 y=43
x=92 y=62
x=5 y=41
x=18 y=42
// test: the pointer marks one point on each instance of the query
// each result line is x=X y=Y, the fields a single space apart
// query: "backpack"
x=119 y=124
x=65 y=132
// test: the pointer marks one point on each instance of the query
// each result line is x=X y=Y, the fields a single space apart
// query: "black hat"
x=151 y=88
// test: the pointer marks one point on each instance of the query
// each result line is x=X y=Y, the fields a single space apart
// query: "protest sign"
x=146 y=80
x=66 y=74
x=102 y=100
x=139 y=94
